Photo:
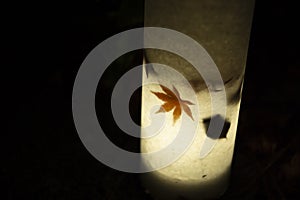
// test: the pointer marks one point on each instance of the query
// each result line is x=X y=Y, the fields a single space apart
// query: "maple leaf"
x=173 y=101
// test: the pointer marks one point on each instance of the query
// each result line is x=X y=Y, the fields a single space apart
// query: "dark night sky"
x=42 y=155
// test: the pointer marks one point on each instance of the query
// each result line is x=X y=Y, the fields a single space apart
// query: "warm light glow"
x=189 y=169
x=223 y=29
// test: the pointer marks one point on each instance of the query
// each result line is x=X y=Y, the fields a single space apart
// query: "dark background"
x=42 y=157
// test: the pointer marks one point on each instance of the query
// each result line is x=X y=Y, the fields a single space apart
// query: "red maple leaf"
x=173 y=101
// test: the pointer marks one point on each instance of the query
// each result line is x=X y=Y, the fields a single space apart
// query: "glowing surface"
x=223 y=29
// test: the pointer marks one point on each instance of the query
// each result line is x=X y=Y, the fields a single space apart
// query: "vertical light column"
x=223 y=29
